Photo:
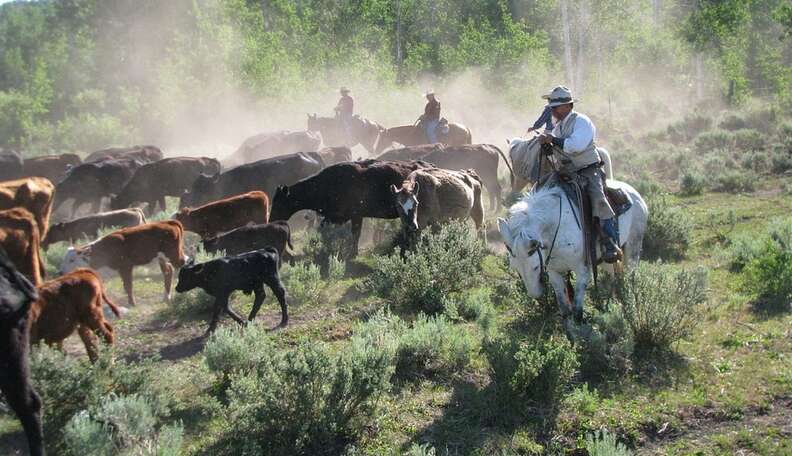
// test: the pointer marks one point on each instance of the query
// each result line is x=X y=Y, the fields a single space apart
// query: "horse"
x=362 y=131
x=413 y=135
x=543 y=236
x=529 y=166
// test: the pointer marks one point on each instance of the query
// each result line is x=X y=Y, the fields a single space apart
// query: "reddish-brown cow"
x=226 y=214
x=19 y=237
x=32 y=193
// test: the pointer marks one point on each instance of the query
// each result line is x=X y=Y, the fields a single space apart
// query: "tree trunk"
x=657 y=6
x=399 y=56
x=698 y=62
x=582 y=27
x=566 y=29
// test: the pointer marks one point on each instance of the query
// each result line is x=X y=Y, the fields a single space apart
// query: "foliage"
x=604 y=443
x=528 y=372
x=233 y=350
x=442 y=263
x=303 y=282
x=734 y=181
x=305 y=400
x=769 y=274
x=475 y=305
x=68 y=386
x=328 y=246
x=667 y=232
x=715 y=140
x=748 y=140
x=605 y=347
x=123 y=425
x=661 y=304
x=732 y=122
x=692 y=183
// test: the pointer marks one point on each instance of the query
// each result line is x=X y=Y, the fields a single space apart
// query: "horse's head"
x=524 y=257
x=407 y=204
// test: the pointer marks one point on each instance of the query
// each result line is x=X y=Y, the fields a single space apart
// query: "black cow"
x=251 y=237
x=346 y=191
x=248 y=272
x=11 y=165
x=90 y=182
x=144 y=154
x=152 y=182
x=16 y=296
x=264 y=175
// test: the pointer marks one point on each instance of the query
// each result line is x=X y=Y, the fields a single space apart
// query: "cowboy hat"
x=429 y=92
x=344 y=90
x=559 y=96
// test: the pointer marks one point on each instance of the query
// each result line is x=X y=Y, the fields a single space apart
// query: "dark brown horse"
x=413 y=135
x=362 y=131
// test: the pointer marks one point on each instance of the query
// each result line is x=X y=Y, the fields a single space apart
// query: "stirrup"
x=612 y=253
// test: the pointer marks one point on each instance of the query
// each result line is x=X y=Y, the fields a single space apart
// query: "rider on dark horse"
x=573 y=135
x=345 y=109
x=431 y=117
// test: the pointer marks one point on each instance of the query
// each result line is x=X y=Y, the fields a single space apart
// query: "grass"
x=725 y=389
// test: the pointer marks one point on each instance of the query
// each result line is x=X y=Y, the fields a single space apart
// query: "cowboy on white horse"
x=573 y=135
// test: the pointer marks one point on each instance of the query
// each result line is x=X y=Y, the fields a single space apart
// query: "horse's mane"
x=538 y=206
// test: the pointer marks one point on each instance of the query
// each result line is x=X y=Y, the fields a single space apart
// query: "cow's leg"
x=357 y=227
x=126 y=278
x=167 y=275
x=237 y=318
x=259 y=299
x=220 y=303
x=280 y=293
x=89 y=339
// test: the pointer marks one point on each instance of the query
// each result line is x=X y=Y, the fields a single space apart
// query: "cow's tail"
x=116 y=310
x=508 y=165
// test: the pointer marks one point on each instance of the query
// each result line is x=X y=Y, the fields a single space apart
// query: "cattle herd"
x=241 y=206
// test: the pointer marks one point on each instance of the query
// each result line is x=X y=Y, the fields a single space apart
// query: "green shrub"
x=742 y=250
x=605 y=347
x=687 y=128
x=442 y=263
x=785 y=135
x=305 y=400
x=474 y=305
x=124 y=425
x=303 y=282
x=603 y=443
x=781 y=160
x=336 y=268
x=769 y=274
x=732 y=122
x=748 y=140
x=68 y=386
x=531 y=372
x=661 y=304
x=434 y=345
x=234 y=350
x=734 y=181
x=714 y=140
x=692 y=183
x=668 y=231
x=329 y=242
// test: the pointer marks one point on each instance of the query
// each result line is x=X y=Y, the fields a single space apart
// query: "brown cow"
x=19 y=237
x=34 y=194
x=72 y=302
x=226 y=214
x=126 y=248
x=53 y=167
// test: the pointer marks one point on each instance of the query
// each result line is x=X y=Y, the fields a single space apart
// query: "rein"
x=542 y=262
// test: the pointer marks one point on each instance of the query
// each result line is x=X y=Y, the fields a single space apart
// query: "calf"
x=248 y=272
x=19 y=237
x=16 y=296
x=72 y=302
x=251 y=237
x=152 y=182
x=89 y=226
x=126 y=248
x=225 y=214
x=34 y=194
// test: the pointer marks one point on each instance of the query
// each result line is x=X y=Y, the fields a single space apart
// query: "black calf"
x=248 y=272
x=16 y=296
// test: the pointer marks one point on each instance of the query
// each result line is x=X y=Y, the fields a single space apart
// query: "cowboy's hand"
x=545 y=139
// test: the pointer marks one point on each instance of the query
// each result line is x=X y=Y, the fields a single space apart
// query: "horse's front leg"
x=581 y=283
x=559 y=287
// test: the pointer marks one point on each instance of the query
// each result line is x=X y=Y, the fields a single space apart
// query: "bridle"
x=539 y=246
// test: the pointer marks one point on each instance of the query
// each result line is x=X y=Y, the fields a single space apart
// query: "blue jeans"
x=430 y=127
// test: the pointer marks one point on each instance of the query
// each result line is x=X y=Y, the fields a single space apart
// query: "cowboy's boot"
x=610 y=241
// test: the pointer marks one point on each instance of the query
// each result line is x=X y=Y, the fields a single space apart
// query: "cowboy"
x=573 y=136
x=345 y=109
x=431 y=117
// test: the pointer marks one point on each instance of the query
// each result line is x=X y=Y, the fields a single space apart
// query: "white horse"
x=542 y=234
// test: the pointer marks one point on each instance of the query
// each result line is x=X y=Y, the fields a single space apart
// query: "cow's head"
x=407 y=204
x=55 y=234
x=523 y=258
x=190 y=276
x=203 y=188
x=282 y=203
x=76 y=257
x=16 y=292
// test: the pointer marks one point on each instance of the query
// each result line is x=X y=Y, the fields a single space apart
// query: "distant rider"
x=574 y=135
x=431 y=117
x=546 y=119
x=345 y=109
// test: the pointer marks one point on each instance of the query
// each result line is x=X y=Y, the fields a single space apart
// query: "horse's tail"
x=508 y=165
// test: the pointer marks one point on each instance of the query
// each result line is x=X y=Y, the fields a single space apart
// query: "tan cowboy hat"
x=344 y=90
x=429 y=92
x=559 y=96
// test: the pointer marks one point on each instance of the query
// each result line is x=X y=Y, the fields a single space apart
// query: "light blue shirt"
x=583 y=134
